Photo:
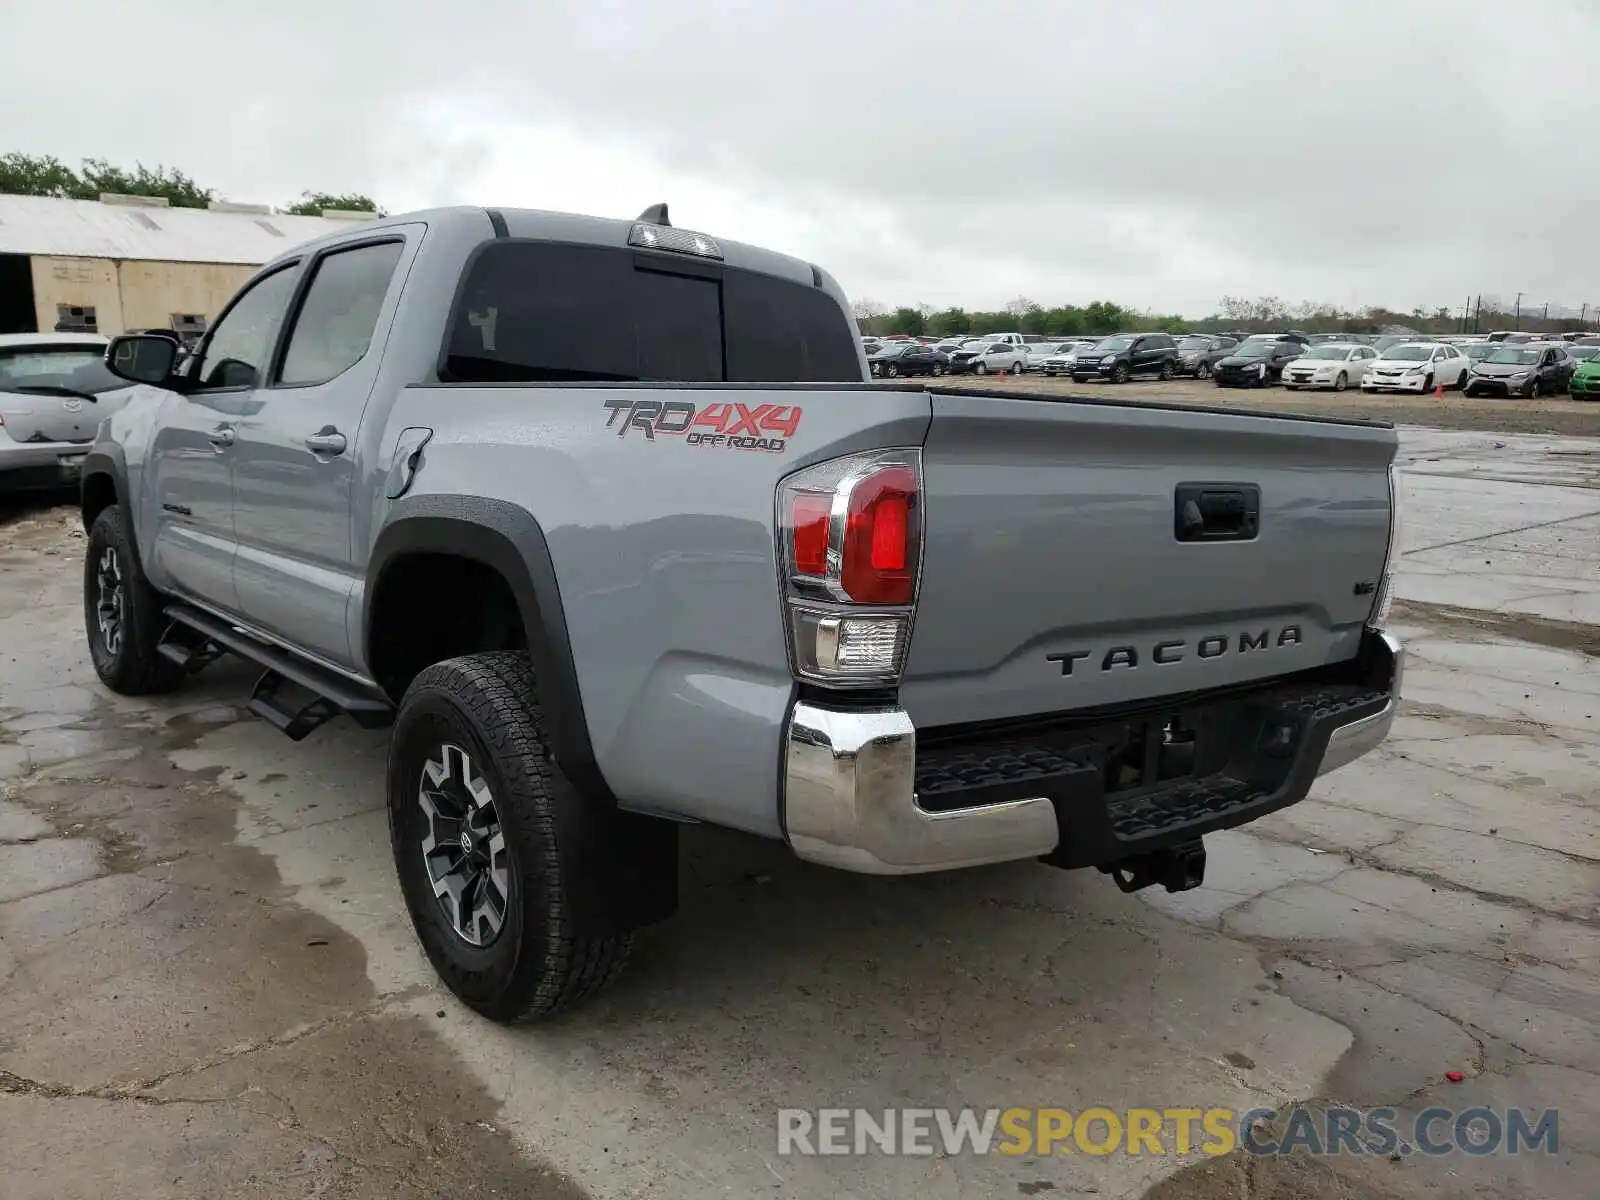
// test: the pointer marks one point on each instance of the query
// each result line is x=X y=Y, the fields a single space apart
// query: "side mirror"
x=142 y=358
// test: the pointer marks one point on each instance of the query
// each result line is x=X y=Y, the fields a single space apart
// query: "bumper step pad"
x=1243 y=757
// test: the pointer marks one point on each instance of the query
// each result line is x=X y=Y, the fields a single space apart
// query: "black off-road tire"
x=539 y=962
x=128 y=663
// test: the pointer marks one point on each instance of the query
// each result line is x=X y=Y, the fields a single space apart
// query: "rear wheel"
x=493 y=844
x=938 y=368
x=1167 y=371
x=1203 y=371
x=122 y=615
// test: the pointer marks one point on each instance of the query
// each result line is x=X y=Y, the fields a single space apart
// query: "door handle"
x=327 y=440
x=222 y=437
x=1217 y=512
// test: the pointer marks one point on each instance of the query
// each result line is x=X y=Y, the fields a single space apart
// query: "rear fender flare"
x=509 y=540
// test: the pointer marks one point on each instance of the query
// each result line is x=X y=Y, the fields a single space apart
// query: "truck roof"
x=543 y=225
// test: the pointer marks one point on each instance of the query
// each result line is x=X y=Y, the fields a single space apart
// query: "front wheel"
x=1119 y=373
x=1427 y=384
x=980 y=369
x=494 y=846
x=1533 y=390
x=122 y=613
x=1341 y=383
x=894 y=370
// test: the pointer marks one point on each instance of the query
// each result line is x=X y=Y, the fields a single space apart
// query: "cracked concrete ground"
x=209 y=988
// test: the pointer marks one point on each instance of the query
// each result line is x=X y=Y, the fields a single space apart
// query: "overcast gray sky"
x=1159 y=153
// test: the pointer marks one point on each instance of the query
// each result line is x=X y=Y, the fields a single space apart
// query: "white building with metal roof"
x=130 y=262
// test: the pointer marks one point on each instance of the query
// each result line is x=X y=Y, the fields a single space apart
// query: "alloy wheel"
x=110 y=601
x=464 y=847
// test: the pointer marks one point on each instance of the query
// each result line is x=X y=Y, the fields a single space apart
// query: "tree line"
x=45 y=175
x=1234 y=314
x=1020 y=316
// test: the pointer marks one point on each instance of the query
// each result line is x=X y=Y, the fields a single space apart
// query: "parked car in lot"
x=1478 y=351
x=1065 y=357
x=55 y=390
x=1258 y=361
x=1417 y=366
x=1585 y=381
x=907 y=358
x=1039 y=351
x=1126 y=356
x=601 y=587
x=989 y=358
x=1199 y=353
x=1522 y=370
x=1335 y=365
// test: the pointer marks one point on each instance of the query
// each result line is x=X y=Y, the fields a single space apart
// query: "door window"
x=334 y=327
x=236 y=355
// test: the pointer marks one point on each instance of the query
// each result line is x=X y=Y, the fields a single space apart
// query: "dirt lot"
x=209 y=987
x=1452 y=411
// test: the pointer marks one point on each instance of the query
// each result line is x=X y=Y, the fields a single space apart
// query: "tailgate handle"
x=1217 y=512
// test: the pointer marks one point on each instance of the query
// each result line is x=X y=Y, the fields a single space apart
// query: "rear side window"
x=339 y=313
x=552 y=312
x=785 y=332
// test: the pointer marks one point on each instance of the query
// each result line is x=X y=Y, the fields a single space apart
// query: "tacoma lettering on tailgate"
x=1166 y=654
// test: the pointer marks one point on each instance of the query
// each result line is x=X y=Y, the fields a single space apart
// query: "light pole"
x=1519 y=310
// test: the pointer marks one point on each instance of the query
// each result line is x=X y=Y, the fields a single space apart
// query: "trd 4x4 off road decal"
x=765 y=427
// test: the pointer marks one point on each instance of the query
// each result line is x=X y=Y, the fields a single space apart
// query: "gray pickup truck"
x=605 y=520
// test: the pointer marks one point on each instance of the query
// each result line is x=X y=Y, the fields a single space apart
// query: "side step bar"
x=325 y=694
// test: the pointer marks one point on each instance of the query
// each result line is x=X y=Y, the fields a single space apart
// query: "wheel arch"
x=103 y=482
x=507 y=541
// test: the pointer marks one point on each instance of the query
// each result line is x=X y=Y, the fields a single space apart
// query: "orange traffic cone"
x=1438 y=391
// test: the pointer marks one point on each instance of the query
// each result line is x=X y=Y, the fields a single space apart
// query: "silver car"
x=54 y=392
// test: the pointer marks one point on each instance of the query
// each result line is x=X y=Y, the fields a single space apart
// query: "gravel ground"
x=1452 y=411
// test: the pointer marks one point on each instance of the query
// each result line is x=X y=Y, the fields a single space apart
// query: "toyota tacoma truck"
x=604 y=518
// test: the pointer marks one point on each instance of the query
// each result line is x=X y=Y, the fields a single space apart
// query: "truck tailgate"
x=1063 y=568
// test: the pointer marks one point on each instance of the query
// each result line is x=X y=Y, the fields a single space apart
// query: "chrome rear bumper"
x=850 y=802
x=850 y=791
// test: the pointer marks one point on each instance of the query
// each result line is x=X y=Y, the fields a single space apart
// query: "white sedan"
x=1335 y=365
x=1417 y=367
x=998 y=358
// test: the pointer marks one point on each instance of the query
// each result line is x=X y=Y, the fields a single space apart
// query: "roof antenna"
x=656 y=214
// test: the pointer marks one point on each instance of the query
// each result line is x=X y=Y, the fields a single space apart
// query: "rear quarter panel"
x=665 y=557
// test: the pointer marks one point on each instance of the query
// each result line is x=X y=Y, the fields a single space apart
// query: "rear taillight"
x=851 y=537
x=1382 y=602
